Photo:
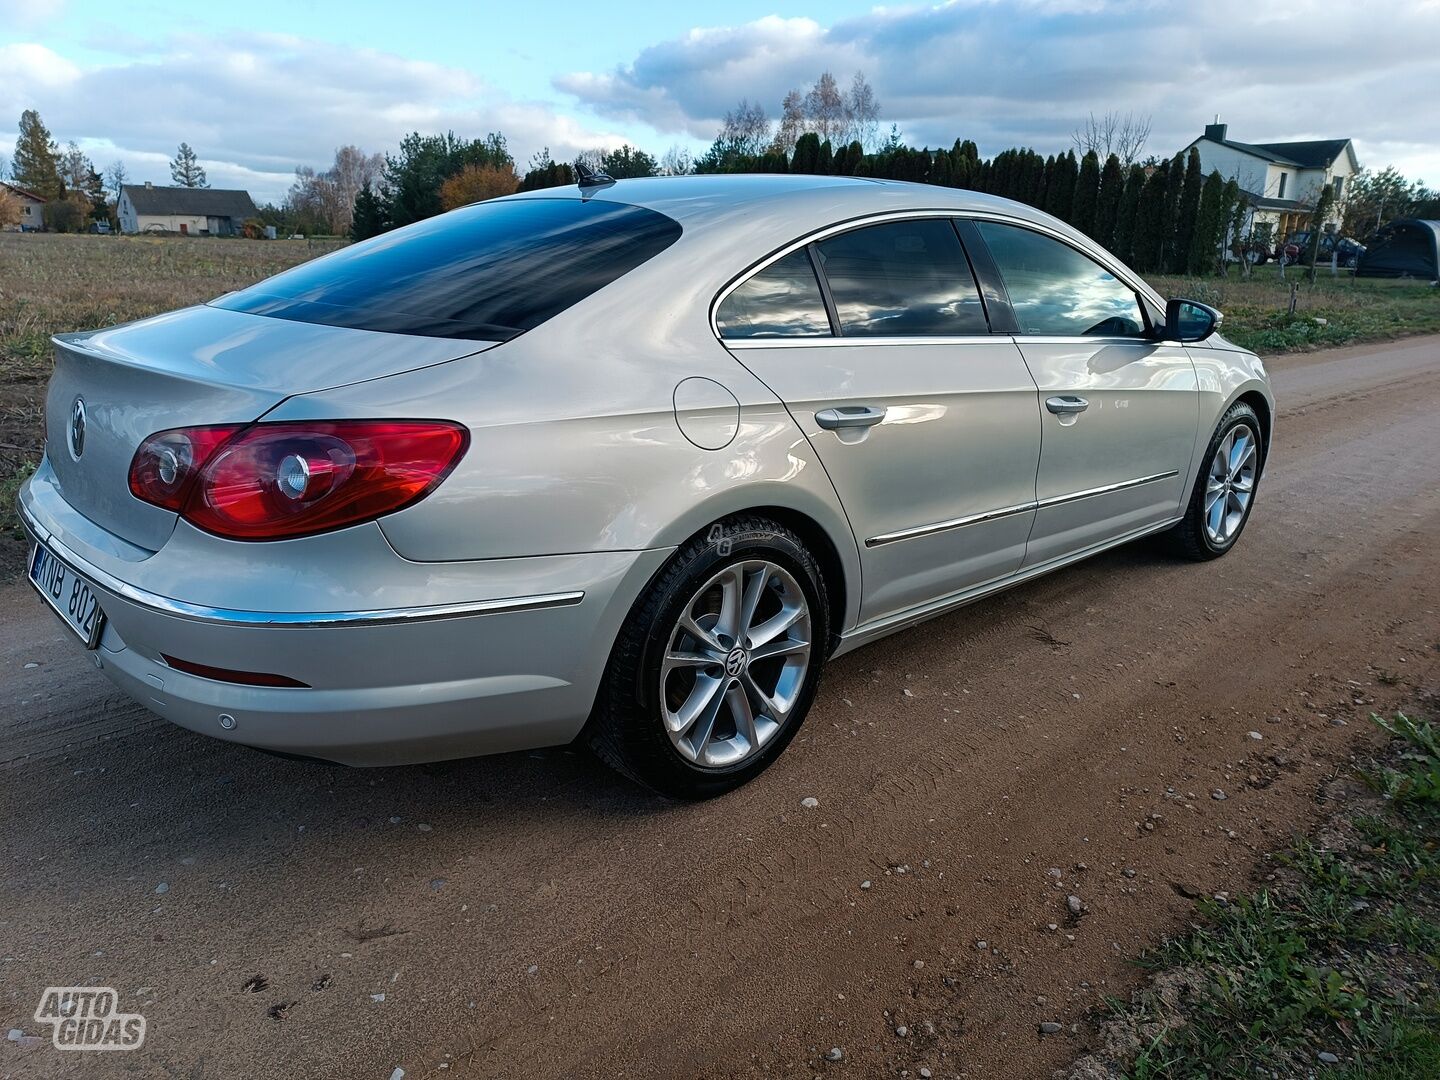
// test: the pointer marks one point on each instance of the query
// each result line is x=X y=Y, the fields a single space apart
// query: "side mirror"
x=1190 y=320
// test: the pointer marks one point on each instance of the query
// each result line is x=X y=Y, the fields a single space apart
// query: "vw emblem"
x=735 y=662
x=77 y=428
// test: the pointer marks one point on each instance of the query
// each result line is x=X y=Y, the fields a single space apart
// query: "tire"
x=656 y=678
x=1202 y=533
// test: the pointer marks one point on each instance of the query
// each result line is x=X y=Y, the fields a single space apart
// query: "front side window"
x=906 y=278
x=489 y=271
x=1056 y=290
x=783 y=300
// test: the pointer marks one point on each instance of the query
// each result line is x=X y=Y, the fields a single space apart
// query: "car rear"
x=224 y=560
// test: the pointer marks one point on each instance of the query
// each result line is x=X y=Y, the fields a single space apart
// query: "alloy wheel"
x=735 y=663
x=1231 y=484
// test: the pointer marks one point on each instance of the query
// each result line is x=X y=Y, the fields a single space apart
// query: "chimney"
x=150 y=185
x=1215 y=132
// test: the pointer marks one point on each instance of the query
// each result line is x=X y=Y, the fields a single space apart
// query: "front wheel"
x=1224 y=491
x=718 y=663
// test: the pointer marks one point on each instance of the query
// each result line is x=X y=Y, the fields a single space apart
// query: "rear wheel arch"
x=832 y=567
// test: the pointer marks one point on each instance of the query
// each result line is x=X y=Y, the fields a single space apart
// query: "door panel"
x=1135 y=437
x=959 y=440
x=1118 y=409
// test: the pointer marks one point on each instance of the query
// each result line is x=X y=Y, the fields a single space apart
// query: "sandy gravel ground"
x=535 y=916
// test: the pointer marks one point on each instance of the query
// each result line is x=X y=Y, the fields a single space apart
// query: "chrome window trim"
x=286 y=620
x=812 y=342
x=1097 y=255
x=1010 y=511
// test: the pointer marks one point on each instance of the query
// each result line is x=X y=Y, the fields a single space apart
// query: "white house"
x=1283 y=179
x=32 y=208
x=188 y=211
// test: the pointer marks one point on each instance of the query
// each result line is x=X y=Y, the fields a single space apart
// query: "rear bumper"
x=459 y=659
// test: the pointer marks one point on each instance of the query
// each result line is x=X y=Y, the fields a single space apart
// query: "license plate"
x=69 y=594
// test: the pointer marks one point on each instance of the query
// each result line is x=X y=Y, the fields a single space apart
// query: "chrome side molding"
x=946 y=526
x=1090 y=493
x=1008 y=511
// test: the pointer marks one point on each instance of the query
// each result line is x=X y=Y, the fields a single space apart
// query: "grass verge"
x=1333 y=311
x=1331 y=970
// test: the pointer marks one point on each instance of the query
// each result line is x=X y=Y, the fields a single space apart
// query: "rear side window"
x=1056 y=290
x=907 y=278
x=488 y=272
x=783 y=300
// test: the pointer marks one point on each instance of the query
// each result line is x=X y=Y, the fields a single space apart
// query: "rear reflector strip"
x=220 y=674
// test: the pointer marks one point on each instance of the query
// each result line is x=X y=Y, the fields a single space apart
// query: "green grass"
x=1341 y=956
x=1341 y=310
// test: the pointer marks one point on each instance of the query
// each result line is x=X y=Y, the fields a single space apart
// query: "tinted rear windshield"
x=488 y=272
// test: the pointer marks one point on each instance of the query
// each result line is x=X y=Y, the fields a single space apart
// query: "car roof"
x=700 y=199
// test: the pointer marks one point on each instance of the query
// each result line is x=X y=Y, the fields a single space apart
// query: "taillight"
x=167 y=463
x=270 y=481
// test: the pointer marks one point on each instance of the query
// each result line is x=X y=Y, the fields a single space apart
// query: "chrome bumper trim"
x=287 y=620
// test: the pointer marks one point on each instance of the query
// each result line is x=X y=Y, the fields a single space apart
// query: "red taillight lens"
x=271 y=481
x=167 y=463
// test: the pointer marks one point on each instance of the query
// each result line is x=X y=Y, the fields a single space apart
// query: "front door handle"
x=850 y=416
x=1066 y=405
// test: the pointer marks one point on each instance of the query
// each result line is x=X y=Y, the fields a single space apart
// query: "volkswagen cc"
x=624 y=462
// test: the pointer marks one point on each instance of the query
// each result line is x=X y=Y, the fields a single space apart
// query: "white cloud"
x=25 y=14
x=1028 y=73
x=256 y=105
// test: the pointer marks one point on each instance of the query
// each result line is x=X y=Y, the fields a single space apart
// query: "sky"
x=261 y=87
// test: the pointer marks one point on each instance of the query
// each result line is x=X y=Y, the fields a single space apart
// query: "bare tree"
x=329 y=197
x=593 y=159
x=863 y=112
x=792 y=122
x=1124 y=136
x=746 y=129
x=116 y=177
x=9 y=208
x=676 y=162
x=825 y=110
x=830 y=114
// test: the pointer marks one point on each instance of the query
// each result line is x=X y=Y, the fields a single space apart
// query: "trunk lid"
x=200 y=365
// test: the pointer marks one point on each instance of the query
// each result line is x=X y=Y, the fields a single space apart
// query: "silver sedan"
x=623 y=462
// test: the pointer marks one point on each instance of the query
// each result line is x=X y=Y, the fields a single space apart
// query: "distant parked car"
x=100 y=227
x=1347 y=248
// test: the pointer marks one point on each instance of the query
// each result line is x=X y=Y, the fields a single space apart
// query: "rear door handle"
x=1066 y=405
x=850 y=416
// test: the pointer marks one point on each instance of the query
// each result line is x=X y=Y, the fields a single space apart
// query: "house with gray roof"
x=1283 y=179
x=183 y=210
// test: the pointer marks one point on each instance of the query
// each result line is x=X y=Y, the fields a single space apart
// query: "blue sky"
x=260 y=87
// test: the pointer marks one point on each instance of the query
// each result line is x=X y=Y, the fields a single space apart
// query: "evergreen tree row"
x=1166 y=217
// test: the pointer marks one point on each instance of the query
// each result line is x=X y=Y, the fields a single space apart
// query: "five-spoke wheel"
x=717 y=665
x=735 y=664
x=1224 y=492
x=1233 y=469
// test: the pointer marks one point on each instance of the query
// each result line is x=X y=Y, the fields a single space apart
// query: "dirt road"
x=535 y=916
